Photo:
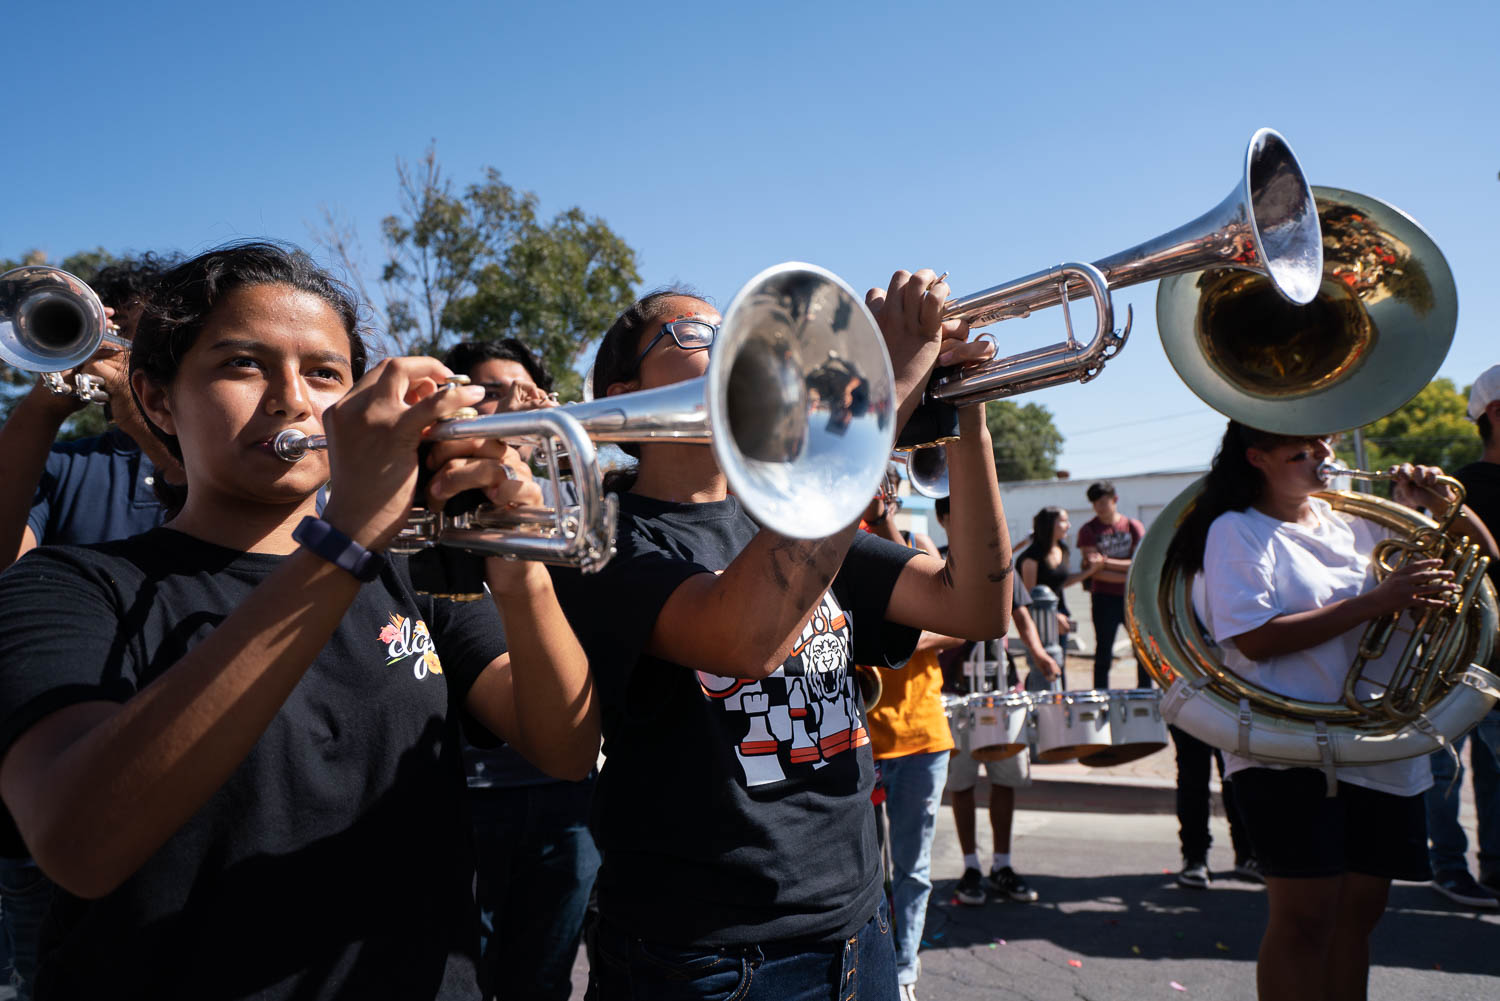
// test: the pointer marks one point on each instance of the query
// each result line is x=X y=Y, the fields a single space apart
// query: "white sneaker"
x=908 y=992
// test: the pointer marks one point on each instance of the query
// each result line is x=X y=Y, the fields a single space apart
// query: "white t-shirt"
x=1256 y=568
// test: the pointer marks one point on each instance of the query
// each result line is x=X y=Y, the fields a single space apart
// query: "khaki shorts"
x=963 y=771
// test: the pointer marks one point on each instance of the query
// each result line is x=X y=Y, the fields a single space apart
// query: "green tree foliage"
x=1433 y=429
x=14 y=383
x=481 y=264
x=1026 y=442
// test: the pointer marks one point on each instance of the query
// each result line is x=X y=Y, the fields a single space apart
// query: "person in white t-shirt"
x=1287 y=591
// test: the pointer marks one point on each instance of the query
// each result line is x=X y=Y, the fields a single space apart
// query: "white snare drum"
x=1001 y=725
x=1136 y=728
x=1070 y=724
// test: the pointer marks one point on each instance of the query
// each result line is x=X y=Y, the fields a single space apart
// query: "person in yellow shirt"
x=910 y=737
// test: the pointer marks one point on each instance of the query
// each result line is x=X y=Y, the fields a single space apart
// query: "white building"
x=1141 y=496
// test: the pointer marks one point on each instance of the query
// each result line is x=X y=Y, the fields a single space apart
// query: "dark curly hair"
x=464 y=358
x=130 y=279
x=1232 y=484
x=179 y=304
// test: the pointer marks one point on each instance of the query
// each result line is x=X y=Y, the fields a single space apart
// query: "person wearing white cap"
x=1448 y=846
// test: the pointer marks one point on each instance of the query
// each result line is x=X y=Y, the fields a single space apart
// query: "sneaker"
x=1005 y=883
x=1194 y=876
x=909 y=991
x=970 y=888
x=1460 y=888
x=1249 y=871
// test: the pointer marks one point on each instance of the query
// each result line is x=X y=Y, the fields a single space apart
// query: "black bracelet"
x=322 y=539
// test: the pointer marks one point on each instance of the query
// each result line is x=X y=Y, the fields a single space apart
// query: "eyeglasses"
x=690 y=335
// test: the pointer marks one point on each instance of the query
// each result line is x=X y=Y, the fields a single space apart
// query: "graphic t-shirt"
x=94 y=489
x=732 y=811
x=1117 y=542
x=335 y=861
x=1257 y=568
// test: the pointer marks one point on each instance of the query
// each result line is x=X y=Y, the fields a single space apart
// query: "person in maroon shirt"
x=1107 y=543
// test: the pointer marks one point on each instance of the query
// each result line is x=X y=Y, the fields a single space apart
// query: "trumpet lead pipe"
x=291 y=445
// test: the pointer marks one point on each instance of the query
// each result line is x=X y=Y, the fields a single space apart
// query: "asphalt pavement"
x=1111 y=924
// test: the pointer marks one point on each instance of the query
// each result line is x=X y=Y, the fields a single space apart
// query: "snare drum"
x=1136 y=728
x=1001 y=725
x=1070 y=724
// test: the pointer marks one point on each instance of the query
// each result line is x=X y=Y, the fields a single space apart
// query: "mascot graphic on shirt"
x=802 y=716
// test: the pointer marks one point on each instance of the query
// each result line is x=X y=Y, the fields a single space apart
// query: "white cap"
x=1486 y=391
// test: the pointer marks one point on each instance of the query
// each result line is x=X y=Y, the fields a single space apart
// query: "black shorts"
x=1298 y=831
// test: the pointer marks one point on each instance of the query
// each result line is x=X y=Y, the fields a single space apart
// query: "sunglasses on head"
x=690 y=335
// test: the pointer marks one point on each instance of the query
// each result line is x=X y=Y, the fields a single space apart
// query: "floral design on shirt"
x=407 y=638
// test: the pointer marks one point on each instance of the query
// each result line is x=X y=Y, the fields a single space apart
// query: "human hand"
x=373 y=436
x=1417 y=584
x=1047 y=665
x=1064 y=624
x=910 y=314
x=1419 y=486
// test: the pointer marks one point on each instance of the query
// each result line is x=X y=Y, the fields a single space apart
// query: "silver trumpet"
x=51 y=321
x=1267 y=224
x=926 y=469
x=798 y=404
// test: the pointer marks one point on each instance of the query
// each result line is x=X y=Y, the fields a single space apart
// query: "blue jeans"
x=1448 y=844
x=863 y=968
x=535 y=862
x=914 y=793
x=25 y=895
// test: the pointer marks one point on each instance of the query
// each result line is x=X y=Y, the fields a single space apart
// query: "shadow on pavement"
x=1150 y=917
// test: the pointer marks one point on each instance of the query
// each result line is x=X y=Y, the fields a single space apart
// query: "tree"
x=1433 y=430
x=1026 y=442
x=482 y=265
x=15 y=383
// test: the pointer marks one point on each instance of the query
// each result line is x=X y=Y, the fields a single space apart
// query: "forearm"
x=1301 y=630
x=978 y=567
x=744 y=622
x=25 y=442
x=107 y=799
x=1468 y=523
x=931 y=642
x=552 y=692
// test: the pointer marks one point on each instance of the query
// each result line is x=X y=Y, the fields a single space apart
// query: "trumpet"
x=926 y=469
x=798 y=405
x=51 y=321
x=1267 y=224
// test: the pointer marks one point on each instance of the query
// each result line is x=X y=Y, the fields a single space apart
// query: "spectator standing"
x=1107 y=544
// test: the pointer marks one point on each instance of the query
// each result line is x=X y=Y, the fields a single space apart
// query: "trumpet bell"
x=801 y=381
x=1379 y=326
x=49 y=320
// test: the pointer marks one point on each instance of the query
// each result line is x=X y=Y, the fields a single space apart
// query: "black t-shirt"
x=1481 y=482
x=335 y=861
x=730 y=811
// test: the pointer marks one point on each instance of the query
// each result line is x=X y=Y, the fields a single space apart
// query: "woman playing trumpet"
x=733 y=809
x=218 y=735
x=1287 y=590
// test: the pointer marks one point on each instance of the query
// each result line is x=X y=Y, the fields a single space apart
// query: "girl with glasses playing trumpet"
x=733 y=810
x=234 y=741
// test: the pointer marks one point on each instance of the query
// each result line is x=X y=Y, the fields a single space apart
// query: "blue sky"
x=980 y=139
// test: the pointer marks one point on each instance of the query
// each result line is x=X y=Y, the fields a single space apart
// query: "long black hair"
x=617 y=359
x=1043 y=526
x=179 y=304
x=1232 y=484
